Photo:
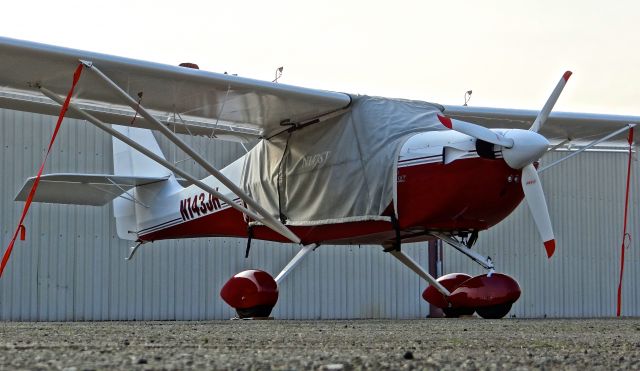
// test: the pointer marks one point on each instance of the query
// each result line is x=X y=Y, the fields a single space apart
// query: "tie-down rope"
x=625 y=236
x=21 y=228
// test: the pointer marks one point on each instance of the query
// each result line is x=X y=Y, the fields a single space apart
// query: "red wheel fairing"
x=450 y=281
x=251 y=292
x=486 y=291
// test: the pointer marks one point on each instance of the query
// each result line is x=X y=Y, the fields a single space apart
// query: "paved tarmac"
x=447 y=344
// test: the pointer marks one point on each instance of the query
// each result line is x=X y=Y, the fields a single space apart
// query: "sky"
x=510 y=53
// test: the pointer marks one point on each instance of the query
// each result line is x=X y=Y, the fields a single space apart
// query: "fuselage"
x=442 y=185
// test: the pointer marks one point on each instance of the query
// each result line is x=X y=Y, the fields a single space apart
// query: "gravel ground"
x=467 y=343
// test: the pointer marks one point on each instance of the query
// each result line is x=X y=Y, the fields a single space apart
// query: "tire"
x=494 y=311
x=257 y=311
x=457 y=312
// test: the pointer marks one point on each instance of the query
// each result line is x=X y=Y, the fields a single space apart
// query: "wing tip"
x=445 y=121
x=566 y=75
x=550 y=246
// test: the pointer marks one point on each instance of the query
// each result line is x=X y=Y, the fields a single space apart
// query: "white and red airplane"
x=326 y=167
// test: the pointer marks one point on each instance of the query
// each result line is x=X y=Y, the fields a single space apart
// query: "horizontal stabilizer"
x=82 y=189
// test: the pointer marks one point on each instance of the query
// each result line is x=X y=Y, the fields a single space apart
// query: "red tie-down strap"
x=20 y=229
x=626 y=238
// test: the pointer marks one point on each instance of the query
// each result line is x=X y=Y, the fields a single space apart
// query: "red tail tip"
x=567 y=75
x=550 y=246
x=445 y=121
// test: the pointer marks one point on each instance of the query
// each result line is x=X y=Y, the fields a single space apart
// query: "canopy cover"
x=340 y=171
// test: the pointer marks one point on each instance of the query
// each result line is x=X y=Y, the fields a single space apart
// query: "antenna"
x=467 y=97
x=278 y=73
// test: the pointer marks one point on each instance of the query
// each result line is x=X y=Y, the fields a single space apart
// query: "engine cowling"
x=252 y=293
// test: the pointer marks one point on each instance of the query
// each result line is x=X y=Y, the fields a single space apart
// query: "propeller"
x=538 y=206
x=520 y=148
x=476 y=131
x=546 y=109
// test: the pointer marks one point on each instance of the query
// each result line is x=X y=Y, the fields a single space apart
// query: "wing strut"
x=595 y=142
x=107 y=128
x=264 y=217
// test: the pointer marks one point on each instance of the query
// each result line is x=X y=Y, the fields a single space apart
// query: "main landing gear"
x=254 y=293
x=490 y=295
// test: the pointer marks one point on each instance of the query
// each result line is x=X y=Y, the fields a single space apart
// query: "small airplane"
x=326 y=168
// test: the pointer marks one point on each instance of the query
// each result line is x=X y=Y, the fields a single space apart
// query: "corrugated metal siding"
x=72 y=265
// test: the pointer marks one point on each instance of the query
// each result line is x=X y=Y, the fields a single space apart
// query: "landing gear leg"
x=414 y=266
x=485 y=262
x=295 y=261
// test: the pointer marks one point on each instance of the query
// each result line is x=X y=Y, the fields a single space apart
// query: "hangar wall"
x=71 y=267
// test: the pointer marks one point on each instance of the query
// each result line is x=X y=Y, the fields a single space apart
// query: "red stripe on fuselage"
x=466 y=194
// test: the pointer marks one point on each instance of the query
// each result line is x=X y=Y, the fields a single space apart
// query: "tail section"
x=129 y=162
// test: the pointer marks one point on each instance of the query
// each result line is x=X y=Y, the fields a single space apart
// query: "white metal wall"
x=71 y=267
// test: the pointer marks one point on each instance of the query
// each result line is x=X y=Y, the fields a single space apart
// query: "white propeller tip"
x=550 y=246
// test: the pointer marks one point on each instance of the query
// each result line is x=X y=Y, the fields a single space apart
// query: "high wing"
x=187 y=100
x=219 y=105
x=560 y=126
